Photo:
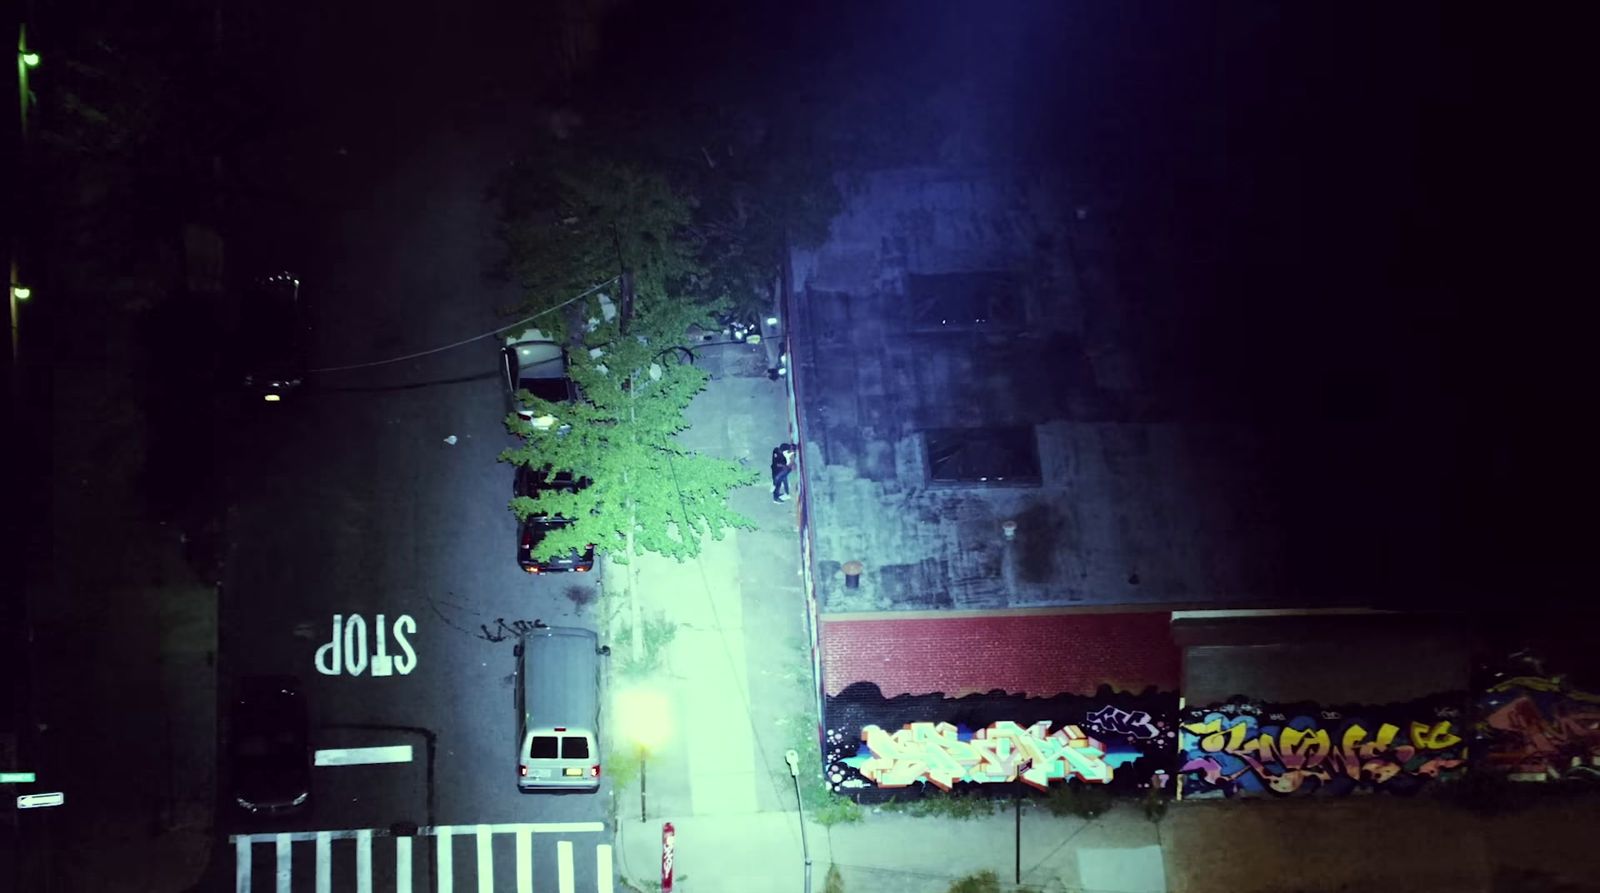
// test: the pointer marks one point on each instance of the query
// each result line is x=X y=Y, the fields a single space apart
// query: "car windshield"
x=552 y=389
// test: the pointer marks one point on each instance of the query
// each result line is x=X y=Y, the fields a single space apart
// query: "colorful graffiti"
x=880 y=747
x=1539 y=728
x=943 y=754
x=1243 y=748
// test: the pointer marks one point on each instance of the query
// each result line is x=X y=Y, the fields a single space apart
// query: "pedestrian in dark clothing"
x=782 y=465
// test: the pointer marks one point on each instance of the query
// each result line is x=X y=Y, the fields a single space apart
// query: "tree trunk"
x=635 y=614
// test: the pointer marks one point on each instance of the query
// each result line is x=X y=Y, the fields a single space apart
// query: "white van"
x=558 y=710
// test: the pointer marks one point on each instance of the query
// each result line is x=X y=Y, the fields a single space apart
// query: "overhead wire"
x=455 y=344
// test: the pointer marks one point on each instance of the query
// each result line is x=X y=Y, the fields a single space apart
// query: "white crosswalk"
x=457 y=858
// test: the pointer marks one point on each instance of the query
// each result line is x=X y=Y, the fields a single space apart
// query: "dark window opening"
x=574 y=748
x=983 y=455
x=543 y=748
x=967 y=299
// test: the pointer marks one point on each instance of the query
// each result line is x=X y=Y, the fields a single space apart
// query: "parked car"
x=539 y=367
x=269 y=747
x=272 y=340
x=531 y=483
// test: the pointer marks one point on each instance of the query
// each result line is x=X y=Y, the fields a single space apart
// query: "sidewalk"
x=890 y=853
x=736 y=673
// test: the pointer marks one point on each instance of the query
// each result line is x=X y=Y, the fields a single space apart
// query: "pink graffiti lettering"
x=1003 y=752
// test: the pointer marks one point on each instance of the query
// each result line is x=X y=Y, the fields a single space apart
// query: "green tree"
x=648 y=493
x=571 y=220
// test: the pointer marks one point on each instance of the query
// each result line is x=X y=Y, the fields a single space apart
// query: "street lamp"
x=646 y=719
x=30 y=59
x=21 y=292
x=793 y=759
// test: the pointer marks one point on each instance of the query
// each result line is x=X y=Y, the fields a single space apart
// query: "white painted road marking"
x=443 y=861
x=445 y=866
x=564 y=866
x=364 y=861
x=485 y=860
x=362 y=756
x=524 y=861
x=36 y=801
x=402 y=864
x=324 y=863
x=285 y=867
x=434 y=830
x=602 y=868
x=241 y=865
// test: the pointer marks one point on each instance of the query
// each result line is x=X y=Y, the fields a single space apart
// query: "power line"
x=455 y=344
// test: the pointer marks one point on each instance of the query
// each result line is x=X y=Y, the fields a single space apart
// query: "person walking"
x=782 y=465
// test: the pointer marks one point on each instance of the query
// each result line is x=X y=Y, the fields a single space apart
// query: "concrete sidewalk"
x=890 y=853
x=736 y=674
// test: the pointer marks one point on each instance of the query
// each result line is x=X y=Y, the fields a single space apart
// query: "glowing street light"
x=29 y=58
x=21 y=292
x=645 y=718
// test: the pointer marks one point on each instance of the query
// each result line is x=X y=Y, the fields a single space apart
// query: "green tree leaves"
x=646 y=489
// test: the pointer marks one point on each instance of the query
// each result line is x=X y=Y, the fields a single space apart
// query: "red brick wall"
x=1036 y=654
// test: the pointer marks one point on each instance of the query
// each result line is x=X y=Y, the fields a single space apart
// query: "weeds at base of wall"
x=988 y=882
x=953 y=806
x=1084 y=801
x=822 y=805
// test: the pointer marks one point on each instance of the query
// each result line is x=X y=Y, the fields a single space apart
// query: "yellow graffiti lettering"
x=1437 y=736
x=1303 y=749
x=1003 y=752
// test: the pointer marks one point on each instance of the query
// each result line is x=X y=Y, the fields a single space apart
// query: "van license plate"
x=575 y=773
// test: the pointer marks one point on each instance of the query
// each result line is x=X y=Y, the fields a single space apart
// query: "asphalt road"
x=347 y=502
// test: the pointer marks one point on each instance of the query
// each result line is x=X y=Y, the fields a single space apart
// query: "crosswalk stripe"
x=602 y=867
x=241 y=865
x=434 y=830
x=564 y=866
x=524 y=861
x=285 y=866
x=485 y=860
x=364 y=862
x=443 y=862
x=446 y=866
x=324 y=864
x=402 y=865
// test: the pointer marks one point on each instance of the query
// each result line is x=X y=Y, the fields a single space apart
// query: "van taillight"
x=522 y=771
x=594 y=771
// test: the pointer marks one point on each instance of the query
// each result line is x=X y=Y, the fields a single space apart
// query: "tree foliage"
x=621 y=437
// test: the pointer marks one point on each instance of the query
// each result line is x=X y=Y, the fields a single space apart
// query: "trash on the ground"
x=451 y=440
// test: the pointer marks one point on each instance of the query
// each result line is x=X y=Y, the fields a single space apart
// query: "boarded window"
x=983 y=455
x=967 y=299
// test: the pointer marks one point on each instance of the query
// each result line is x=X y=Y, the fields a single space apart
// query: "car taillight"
x=531 y=570
x=581 y=570
x=527 y=538
x=522 y=771
x=594 y=771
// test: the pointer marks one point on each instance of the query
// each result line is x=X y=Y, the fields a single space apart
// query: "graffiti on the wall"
x=879 y=747
x=1538 y=727
x=943 y=754
x=1244 y=748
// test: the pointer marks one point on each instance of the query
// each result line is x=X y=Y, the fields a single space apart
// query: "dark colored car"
x=535 y=528
x=540 y=368
x=269 y=747
x=271 y=346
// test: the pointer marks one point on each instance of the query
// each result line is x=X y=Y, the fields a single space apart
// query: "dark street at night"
x=601 y=445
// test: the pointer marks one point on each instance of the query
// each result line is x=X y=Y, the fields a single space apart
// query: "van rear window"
x=543 y=747
x=573 y=748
